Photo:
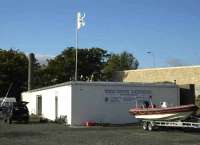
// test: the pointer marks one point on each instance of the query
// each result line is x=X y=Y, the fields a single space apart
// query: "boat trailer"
x=151 y=125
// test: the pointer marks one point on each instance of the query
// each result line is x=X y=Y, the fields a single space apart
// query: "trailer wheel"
x=150 y=127
x=5 y=120
x=145 y=125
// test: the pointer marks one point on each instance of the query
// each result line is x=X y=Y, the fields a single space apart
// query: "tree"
x=13 y=70
x=91 y=63
x=94 y=64
x=119 y=62
x=62 y=67
x=128 y=61
x=36 y=73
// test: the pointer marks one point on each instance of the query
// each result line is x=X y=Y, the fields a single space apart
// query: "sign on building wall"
x=126 y=96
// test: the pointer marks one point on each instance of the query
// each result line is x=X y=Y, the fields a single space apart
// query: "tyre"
x=26 y=120
x=150 y=127
x=5 y=120
x=145 y=125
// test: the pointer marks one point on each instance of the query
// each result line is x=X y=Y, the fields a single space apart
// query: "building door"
x=56 y=107
x=39 y=105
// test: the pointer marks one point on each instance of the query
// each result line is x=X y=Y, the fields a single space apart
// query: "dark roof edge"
x=102 y=83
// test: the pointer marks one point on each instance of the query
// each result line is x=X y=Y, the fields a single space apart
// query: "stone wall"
x=182 y=75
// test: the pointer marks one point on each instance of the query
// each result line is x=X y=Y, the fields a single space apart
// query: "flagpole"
x=76 y=67
x=80 y=23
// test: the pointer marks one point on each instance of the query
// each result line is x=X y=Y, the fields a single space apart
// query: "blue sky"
x=170 y=29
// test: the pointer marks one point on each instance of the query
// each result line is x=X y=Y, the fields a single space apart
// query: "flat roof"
x=105 y=84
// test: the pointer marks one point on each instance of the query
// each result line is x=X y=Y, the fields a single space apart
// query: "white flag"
x=80 y=20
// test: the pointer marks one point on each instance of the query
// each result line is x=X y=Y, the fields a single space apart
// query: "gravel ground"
x=55 y=134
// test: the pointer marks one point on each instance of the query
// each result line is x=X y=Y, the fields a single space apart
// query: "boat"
x=163 y=112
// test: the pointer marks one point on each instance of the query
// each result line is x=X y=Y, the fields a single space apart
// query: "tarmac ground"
x=58 y=134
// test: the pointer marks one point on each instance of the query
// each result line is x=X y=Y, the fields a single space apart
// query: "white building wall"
x=99 y=102
x=48 y=102
x=89 y=101
x=31 y=99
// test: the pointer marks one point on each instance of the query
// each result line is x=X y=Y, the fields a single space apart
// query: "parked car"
x=20 y=112
x=15 y=112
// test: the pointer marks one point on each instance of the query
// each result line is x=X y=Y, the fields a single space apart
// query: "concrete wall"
x=182 y=75
x=187 y=94
x=102 y=102
x=48 y=102
x=197 y=90
x=110 y=102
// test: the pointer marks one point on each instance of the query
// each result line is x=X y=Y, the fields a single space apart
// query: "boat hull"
x=168 y=116
x=170 y=113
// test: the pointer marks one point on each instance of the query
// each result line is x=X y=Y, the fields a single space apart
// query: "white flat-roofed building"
x=101 y=102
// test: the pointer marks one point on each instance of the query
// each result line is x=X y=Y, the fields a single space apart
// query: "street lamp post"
x=154 y=58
